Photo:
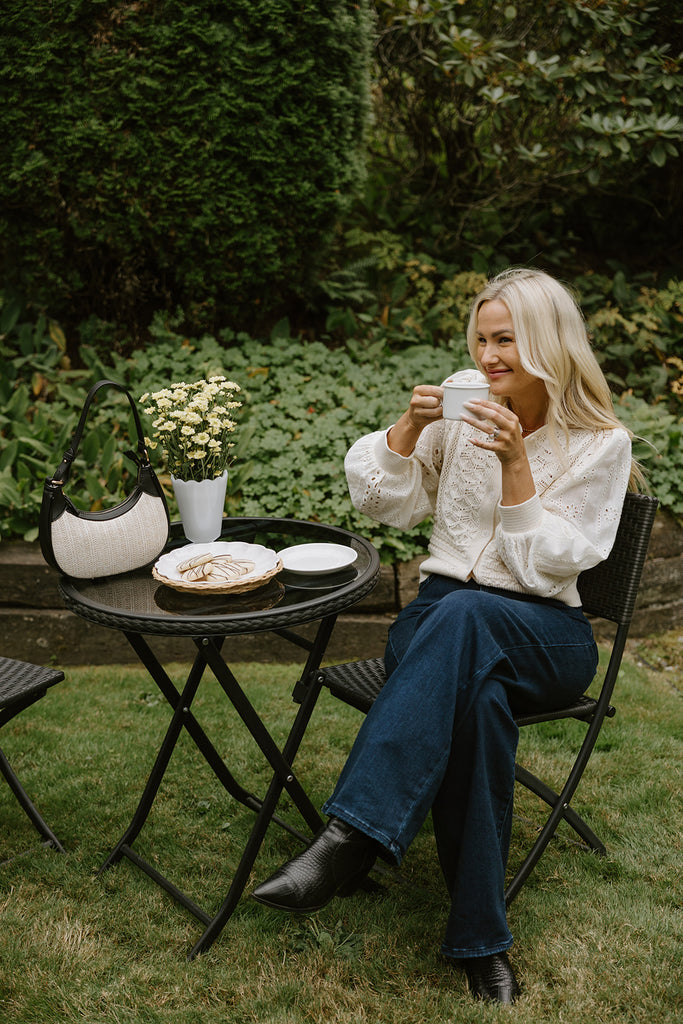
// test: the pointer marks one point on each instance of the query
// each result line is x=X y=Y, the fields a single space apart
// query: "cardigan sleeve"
x=394 y=489
x=572 y=525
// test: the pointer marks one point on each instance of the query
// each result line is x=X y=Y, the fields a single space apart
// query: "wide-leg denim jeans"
x=461 y=659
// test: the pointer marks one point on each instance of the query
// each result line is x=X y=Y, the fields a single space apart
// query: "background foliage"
x=546 y=129
x=164 y=155
x=178 y=199
x=305 y=403
x=163 y=152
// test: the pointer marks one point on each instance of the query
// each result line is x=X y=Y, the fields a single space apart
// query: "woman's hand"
x=425 y=407
x=502 y=434
x=500 y=429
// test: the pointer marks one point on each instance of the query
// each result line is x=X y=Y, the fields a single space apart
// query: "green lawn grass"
x=597 y=940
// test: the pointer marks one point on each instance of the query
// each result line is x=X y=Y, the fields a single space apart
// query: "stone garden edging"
x=34 y=626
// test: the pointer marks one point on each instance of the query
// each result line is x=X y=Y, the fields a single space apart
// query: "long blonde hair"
x=553 y=344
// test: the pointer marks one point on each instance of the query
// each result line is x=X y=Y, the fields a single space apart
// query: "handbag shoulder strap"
x=62 y=473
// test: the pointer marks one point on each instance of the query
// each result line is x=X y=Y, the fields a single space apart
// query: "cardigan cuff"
x=521 y=518
x=386 y=457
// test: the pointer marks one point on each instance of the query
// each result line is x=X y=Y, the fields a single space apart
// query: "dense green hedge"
x=171 y=152
x=164 y=154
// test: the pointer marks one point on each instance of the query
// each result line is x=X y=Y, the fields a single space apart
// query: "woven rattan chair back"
x=609 y=590
x=21 y=685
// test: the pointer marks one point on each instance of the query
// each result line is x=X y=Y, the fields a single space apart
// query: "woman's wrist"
x=517 y=482
x=403 y=436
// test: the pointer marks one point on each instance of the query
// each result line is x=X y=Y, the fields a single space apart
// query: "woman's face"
x=498 y=357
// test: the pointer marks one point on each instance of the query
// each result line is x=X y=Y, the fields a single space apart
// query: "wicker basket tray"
x=267 y=563
x=239 y=586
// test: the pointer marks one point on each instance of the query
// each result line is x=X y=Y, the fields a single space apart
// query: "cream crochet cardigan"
x=538 y=547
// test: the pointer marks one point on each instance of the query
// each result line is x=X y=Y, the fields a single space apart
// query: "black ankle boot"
x=491 y=978
x=334 y=864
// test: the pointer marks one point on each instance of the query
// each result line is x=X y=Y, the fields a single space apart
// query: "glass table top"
x=138 y=602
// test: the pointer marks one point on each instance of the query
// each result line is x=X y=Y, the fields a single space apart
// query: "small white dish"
x=317 y=559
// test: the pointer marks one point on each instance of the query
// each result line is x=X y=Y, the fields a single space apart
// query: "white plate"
x=266 y=562
x=316 y=559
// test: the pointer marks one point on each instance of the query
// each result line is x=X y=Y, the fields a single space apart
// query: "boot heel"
x=353 y=884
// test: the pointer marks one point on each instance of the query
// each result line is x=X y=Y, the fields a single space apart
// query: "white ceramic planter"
x=201 y=504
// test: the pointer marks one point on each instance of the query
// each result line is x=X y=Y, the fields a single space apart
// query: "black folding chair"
x=21 y=685
x=608 y=591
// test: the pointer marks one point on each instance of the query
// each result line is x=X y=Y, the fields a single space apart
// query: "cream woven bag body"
x=88 y=545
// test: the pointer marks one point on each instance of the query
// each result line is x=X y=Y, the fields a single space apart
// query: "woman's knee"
x=486 y=722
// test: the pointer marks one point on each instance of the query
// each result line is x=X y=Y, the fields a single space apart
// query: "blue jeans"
x=461 y=660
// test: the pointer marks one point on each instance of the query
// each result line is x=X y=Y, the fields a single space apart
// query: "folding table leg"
x=241 y=876
x=199 y=737
x=265 y=816
x=280 y=764
x=308 y=690
x=160 y=765
x=201 y=740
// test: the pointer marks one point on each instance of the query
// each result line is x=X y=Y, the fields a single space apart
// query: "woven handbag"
x=88 y=545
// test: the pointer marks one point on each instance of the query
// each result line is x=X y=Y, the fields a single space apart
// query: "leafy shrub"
x=658 y=440
x=391 y=294
x=164 y=152
x=636 y=331
x=399 y=298
x=41 y=398
x=505 y=130
x=304 y=405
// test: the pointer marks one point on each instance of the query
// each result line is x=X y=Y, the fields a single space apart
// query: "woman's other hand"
x=501 y=433
x=425 y=407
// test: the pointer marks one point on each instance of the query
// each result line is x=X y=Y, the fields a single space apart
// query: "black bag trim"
x=55 y=503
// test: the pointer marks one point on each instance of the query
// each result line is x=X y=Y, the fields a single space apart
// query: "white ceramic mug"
x=456 y=394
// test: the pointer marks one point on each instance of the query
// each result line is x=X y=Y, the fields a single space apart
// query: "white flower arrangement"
x=193 y=425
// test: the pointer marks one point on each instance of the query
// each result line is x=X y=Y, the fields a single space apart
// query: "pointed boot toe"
x=492 y=978
x=334 y=864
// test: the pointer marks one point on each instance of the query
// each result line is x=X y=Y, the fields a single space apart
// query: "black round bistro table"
x=141 y=606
